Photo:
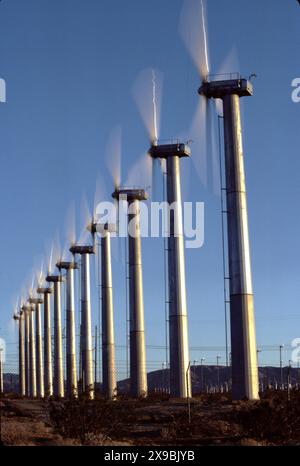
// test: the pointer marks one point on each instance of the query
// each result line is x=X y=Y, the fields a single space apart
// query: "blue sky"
x=69 y=67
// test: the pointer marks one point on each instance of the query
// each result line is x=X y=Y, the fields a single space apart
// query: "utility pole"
x=202 y=381
x=258 y=351
x=163 y=374
x=289 y=381
x=218 y=371
x=194 y=364
x=280 y=363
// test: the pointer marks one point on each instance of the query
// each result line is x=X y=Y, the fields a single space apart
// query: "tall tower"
x=180 y=379
x=26 y=311
x=109 y=380
x=32 y=352
x=36 y=302
x=243 y=336
x=86 y=319
x=22 y=382
x=59 y=391
x=70 y=330
x=138 y=370
x=48 y=382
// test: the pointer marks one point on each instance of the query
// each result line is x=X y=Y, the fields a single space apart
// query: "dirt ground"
x=210 y=420
x=24 y=423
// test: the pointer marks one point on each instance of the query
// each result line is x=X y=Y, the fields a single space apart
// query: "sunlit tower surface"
x=22 y=384
x=58 y=386
x=109 y=380
x=71 y=386
x=138 y=370
x=32 y=352
x=86 y=319
x=48 y=372
x=180 y=379
x=26 y=311
x=36 y=304
x=243 y=337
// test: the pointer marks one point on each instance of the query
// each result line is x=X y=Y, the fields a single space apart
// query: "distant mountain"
x=203 y=377
x=209 y=377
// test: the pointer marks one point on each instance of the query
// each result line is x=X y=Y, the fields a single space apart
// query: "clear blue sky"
x=69 y=66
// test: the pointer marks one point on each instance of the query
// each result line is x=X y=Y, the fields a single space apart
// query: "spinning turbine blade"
x=147 y=93
x=100 y=194
x=71 y=224
x=86 y=219
x=50 y=259
x=140 y=173
x=57 y=251
x=40 y=274
x=113 y=155
x=212 y=148
x=193 y=30
x=197 y=134
x=113 y=158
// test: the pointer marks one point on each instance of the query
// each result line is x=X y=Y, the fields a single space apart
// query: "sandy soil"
x=214 y=420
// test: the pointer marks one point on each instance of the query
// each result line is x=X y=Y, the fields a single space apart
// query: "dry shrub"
x=88 y=421
x=274 y=419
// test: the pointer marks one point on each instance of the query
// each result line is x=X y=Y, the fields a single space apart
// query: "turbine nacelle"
x=67 y=265
x=78 y=249
x=130 y=194
x=102 y=228
x=53 y=278
x=26 y=307
x=163 y=151
x=219 y=89
x=44 y=290
x=36 y=300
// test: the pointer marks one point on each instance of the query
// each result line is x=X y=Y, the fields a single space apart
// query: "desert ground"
x=207 y=420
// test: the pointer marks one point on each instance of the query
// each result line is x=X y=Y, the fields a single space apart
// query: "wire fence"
x=209 y=371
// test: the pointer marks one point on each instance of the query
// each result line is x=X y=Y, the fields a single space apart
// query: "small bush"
x=85 y=419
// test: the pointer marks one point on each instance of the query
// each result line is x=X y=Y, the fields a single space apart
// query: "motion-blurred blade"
x=198 y=135
x=113 y=155
x=71 y=225
x=40 y=274
x=212 y=148
x=23 y=296
x=53 y=252
x=229 y=69
x=85 y=211
x=100 y=194
x=230 y=65
x=147 y=93
x=50 y=259
x=140 y=173
x=84 y=238
x=17 y=307
x=86 y=220
x=193 y=30
x=57 y=251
